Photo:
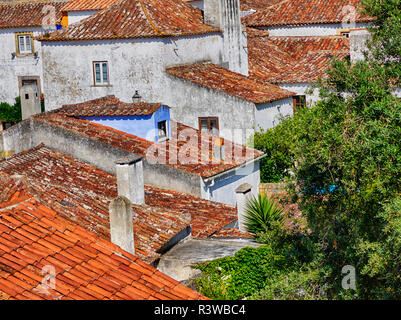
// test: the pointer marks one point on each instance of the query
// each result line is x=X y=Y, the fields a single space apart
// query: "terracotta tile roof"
x=127 y=19
x=247 y=5
x=109 y=106
x=82 y=193
x=303 y=12
x=86 y=266
x=87 y=5
x=218 y=78
x=193 y=156
x=292 y=59
x=26 y=13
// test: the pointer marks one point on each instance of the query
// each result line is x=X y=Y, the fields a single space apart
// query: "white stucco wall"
x=302 y=89
x=223 y=189
x=11 y=68
x=268 y=115
x=311 y=30
x=133 y=65
x=75 y=16
x=189 y=101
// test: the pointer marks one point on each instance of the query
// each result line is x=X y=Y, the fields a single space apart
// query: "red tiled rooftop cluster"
x=26 y=13
x=186 y=144
x=128 y=19
x=292 y=59
x=302 y=12
x=218 y=78
x=86 y=266
x=82 y=193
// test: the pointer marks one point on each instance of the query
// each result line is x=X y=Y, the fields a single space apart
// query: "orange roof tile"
x=127 y=19
x=292 y=59
x=218 y=78
x=303 y=12
x=199 y=161
x=117 y=278
x=87 y=5
x=82 y=193
x=247 y=5
x=26 y=13
x=109 y=106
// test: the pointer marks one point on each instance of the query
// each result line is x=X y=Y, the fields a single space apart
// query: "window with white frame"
x=24 y=43
x=100 y=73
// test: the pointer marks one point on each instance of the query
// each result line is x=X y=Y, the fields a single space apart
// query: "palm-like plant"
x=260 y=212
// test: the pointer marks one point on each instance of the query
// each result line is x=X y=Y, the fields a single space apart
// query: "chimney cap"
x=130 y=159
x=243 y=188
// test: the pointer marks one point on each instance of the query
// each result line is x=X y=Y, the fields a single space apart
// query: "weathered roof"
x=23 y=14
x=127 y=19
x=82 y=193
x=247 y=5
x=305 y=12
x=34 y=237
x=194 y=156
x=292 y=59
x=109 y=106
x=218 y=78
x=87 y=5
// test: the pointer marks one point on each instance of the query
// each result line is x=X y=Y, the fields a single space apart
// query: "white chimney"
x=121 y=225
x=130 y=183
x=243 y=195
x=225 y=14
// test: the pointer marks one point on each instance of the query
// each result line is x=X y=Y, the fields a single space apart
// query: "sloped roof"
x=247 y=5
x=82 y=193
x=87 y=5
x=86 y=266
x=198 y=159
x=305 y=12
x=292 y=59
x=127 y=19
x=109 y=106
x=23 y=14
x=218 y=78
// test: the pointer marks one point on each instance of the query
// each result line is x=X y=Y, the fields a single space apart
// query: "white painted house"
x=93 y=58
x=20 y=54
x=309 y=18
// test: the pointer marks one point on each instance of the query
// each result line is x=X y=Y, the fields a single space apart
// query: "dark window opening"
x=162 y=129
x=209 y=125
x=299 y=102
x=26 y=96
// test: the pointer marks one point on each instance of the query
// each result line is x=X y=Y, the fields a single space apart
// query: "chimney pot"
x=243 y=194
x=121 y=225
x=130 y=181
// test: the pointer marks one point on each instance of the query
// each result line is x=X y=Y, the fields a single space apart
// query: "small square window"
x=100 y=73
x=299 y=102
x=162 y=129
x=24 y=43
x=209 y=125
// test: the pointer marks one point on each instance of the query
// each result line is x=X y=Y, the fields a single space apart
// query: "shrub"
x=279 y=160
x=260 y=212
x=239 y=276
x=295 y=285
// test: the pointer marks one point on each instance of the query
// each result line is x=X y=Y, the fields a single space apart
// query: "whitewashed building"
x=92 y=57
x=20 y=54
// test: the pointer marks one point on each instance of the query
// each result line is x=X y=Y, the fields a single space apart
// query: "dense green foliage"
x=275 y=166
x=346 y=178
x=260 y=212
x=241 y=275
x=10 y=113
